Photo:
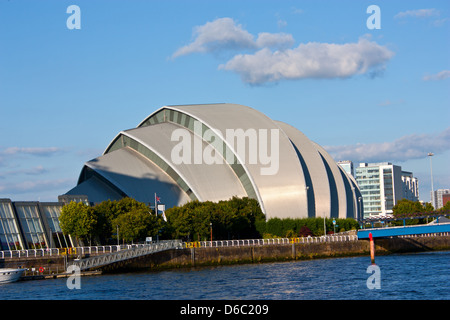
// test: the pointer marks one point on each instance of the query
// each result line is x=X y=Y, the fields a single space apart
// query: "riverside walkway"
x=99 y=256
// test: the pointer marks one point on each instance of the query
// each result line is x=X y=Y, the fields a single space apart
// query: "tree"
x=79 y=220
x=407 y=208
x=445 y=208
x=233 y=218
x=137 y=224
x=108 y=211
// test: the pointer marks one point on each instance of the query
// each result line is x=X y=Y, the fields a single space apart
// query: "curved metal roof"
x=212 y=182
x=283 y=194
x=137 y=177
x=314 y=165
x=291 y=176
x=338 y=203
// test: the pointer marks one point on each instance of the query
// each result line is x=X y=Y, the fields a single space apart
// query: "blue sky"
x=366 y=95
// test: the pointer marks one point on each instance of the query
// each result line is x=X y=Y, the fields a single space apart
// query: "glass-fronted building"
x=31 y=225
x=382 y=185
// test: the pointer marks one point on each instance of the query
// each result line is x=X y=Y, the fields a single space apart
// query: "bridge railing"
x=129 y=253
x=274 y=241
x=100 y=250
x=91 y=250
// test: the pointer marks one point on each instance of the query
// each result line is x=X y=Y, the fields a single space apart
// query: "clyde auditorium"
x=184 y=152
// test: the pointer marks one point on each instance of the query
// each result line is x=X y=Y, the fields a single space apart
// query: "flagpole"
x=156 y=206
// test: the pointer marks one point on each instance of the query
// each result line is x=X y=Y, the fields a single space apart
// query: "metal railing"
x=104 y=250
x=274 y=241
x=125 y=254
x=47 y=252
x=101 y=250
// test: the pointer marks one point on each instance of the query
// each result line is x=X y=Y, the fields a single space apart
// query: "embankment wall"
x=214 y=256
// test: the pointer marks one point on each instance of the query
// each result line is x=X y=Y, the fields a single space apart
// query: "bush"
x=305 y=226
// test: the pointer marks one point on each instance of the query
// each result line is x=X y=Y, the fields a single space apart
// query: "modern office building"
x=31 y=225
x=445 y=198
x=438 y=198
x=347 y=165
x=410 y=186
x=382 y=185
x=214 y=152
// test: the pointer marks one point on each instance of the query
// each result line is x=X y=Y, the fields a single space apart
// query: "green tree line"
x=236 y=218
x=412 y=209
x=99 y=223
x=303 y=227
x=231 y=219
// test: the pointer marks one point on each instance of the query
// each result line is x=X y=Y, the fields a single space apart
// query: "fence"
x=96 y=250
x=275 y=241
x=66 y=251
x=122 y=255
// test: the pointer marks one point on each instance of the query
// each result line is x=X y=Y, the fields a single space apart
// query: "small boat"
x=8 y=275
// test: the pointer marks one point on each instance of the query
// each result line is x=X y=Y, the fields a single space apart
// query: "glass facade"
x=10 y=238
x=51 y=212
x=388 y=188
x=31 y=225
x=368 y=179
x=382 y=185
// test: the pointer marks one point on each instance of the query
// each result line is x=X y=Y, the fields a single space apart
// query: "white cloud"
x=225 y=34
x=32 y=151
x=38 y=170
x=222 y=33
x=35 y=186
x=420 y=13
x=408 y=147
x=311 y=60
x=439 y=76
x=272 y=58
x=274 y=40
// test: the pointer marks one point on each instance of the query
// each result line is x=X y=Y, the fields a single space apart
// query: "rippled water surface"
x=423 y=276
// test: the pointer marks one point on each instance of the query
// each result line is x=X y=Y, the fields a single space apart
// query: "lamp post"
x=430 y=154
x=210 y=225
x=360 y=212
x=118 y=241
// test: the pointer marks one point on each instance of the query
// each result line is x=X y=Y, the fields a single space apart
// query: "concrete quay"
x=243 y=252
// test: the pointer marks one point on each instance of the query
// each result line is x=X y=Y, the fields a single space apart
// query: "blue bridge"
x=434 y=227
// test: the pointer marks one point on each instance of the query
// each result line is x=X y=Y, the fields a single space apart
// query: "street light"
x=210 y=224
x=360 y=211
x=430 y=154
x=118 y=242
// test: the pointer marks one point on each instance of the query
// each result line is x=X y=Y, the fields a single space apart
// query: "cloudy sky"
x=366 y=94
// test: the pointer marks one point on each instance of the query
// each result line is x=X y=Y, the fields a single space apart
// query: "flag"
x=157 y=199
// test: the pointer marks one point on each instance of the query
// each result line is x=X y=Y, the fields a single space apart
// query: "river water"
x=419 y=276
